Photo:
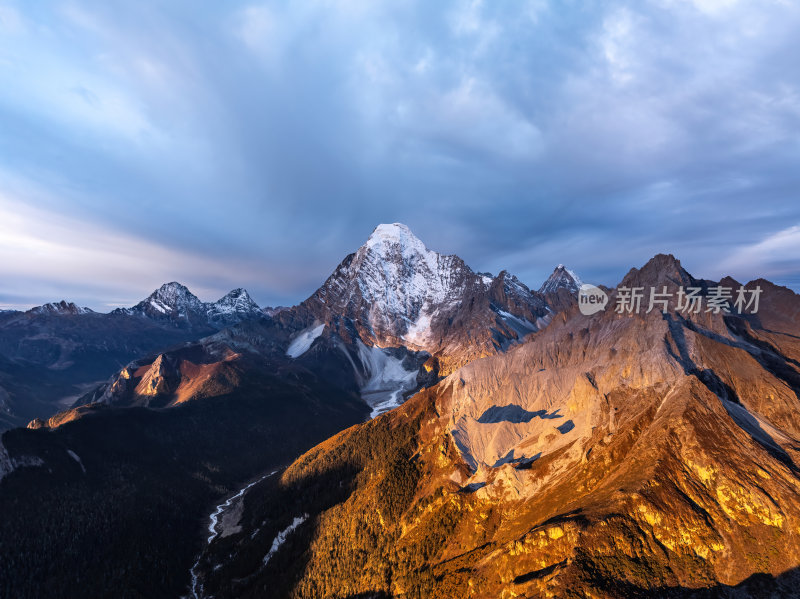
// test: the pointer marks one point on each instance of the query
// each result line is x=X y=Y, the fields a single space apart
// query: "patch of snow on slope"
x=545 y=320
x=9 y=464
x=303 y=341
x=387 y=379
x=760 y=430
x=6 y=465
x=574 y=276
x=75 y=457
x=562 y=278
x=158 y=306
x=419 y=332
x=283 y=535
x=521 y=326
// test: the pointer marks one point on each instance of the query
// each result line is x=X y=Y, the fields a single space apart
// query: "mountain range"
x=609 y=456
x=392 y=316
x=174 y=304
x=430 y=431
x=52 y=354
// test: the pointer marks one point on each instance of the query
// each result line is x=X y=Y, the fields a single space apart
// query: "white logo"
x=591 y=299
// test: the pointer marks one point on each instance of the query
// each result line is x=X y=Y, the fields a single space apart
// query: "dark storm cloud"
x=256 y=144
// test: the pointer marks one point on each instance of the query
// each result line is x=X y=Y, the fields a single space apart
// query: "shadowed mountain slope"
x=53 y=354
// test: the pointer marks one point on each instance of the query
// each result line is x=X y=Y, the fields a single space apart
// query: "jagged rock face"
x=175 y=304
x=394 y=285
x=270 y=311
x=385 y=310
x=396 y=292
x=235 y=307
x=62 y=308
x=217 y=364
x=53 y=354
x=615 y=455
x=560 y=290
x=562 y=278
x=198 y=370
x=146 y=471
x=507 y=291
x=160 y=378
x=171 y=302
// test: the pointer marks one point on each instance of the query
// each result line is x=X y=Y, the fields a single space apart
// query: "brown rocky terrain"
x=616 y=455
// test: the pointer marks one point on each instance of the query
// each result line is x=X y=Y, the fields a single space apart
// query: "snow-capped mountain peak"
x=562 y=278
x=174 y=298
x=235 y=306
x=174 y=303
x=394 y=291
x=393 y=235
x=237 y=300
x=395 y=245
x=401 y=280
x=62 y=308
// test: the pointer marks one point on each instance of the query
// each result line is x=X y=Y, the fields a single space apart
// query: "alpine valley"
x=412 y=429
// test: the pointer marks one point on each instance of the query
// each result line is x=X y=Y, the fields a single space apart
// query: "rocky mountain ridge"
x=400 y=314
x=617 y=455
x=62 y=308
x=173 y=303
x=394 y=291
x=562 y=278
x=52 y=354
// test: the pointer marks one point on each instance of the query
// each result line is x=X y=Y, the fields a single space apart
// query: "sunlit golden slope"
x=610 y=456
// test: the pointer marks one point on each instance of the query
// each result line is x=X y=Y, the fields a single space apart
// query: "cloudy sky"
x=256 y=144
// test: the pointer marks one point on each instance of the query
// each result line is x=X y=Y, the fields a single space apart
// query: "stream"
x=213 y=525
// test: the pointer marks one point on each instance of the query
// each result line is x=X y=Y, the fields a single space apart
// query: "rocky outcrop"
x=562 y=278
x=160 y=378
x=62 y=308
